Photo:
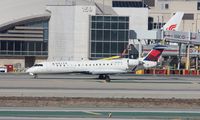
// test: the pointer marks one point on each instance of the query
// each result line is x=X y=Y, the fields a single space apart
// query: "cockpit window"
x=39 y=65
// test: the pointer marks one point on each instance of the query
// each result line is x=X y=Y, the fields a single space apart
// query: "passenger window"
x=38 y=65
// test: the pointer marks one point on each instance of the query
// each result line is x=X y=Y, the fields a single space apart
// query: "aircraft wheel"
x=101 y=76
x=107 y=78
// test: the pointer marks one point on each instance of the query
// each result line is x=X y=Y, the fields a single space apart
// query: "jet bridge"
x=181 y=37
x=187 y=38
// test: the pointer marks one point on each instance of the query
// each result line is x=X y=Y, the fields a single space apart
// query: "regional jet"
x=103 y=68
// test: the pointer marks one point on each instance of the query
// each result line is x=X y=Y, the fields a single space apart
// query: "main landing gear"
x=105 y=77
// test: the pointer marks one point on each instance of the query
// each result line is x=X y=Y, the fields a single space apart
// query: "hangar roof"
x=21 y=10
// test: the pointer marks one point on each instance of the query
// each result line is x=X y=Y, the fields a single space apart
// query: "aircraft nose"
x=27 y=71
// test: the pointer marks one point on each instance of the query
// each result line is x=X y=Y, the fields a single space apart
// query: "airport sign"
x=182 y=37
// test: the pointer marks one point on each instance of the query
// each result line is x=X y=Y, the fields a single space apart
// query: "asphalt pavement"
x=121 y=86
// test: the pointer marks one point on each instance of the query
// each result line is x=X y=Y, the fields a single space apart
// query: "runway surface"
x=121 y=86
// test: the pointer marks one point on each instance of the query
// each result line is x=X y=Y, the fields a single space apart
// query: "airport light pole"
x=187 y=65
x=162 y=21
x=158 y=22
x=196 y=62
x=140 y=48
x=179 y=56
x=193 y=29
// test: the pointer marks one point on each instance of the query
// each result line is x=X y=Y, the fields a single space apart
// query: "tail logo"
x=154 y=55
x=171 y=27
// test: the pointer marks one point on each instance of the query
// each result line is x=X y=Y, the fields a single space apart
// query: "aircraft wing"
x=106 y=71
x=111 y=58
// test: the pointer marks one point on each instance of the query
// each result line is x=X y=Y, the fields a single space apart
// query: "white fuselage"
x=88 y=67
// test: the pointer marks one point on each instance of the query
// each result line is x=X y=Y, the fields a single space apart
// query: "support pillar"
x=196 y=62
x=140 y=49
x=187 y=65
x=179 y=56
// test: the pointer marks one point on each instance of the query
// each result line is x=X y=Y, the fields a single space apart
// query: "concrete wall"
x=61 y=37
x=138 y=20
x=69 y=32
x=189 y=6
x=39 y=60
x=16 y=61
x=105 y=2
x=82 y=31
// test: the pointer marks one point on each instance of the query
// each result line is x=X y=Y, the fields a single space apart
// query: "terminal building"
x=23 y=32
x=36 y=30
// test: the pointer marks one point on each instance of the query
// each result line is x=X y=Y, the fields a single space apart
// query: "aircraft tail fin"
x=174 y=22
x=155 y=53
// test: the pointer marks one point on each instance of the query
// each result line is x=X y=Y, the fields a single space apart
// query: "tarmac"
x=83 y=86
x=121 y=86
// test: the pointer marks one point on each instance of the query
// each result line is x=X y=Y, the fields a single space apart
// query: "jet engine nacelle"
x=149 y=64
x=133 y=62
